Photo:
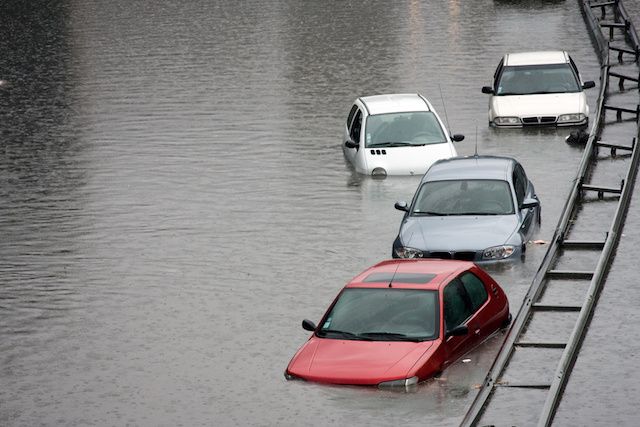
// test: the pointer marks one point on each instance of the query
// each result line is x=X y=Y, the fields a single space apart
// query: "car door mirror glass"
x=350 y=144
x=458 y=331
x=457 y=137
x=402 y=206
x=588 y=84
x=488 y=90
x=529 y=203
x=308 y=325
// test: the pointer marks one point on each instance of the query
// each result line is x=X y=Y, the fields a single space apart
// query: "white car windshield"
x=383 y=314
x=464 y=197
x=403 y=129
x=537 y=79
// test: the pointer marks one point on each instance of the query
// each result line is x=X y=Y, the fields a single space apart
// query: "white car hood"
x=550 y=104
x=407 y=160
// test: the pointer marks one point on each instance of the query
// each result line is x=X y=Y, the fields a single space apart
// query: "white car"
x=537 y=88
x=395 y=134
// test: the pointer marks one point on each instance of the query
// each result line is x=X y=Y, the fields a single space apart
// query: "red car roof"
x=409 y=273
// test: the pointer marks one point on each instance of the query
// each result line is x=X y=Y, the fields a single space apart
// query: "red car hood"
x=356 y=362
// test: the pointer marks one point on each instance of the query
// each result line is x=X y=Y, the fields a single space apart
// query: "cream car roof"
x=536 y=58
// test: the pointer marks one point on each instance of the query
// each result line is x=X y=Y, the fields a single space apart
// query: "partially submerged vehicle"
x=401 y=322
x=479 y=208
x=537 y=88
x=395 y=134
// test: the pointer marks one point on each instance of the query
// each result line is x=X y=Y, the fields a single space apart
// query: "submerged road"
x=526 y=383
x=605 y=365
x=175 y=201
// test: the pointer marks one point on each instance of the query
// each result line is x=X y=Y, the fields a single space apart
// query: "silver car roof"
x=472 y=167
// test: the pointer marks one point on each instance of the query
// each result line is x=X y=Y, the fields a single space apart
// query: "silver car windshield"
x=383 y=314
x=537 y=79
x=464 y=197
x=403 y=129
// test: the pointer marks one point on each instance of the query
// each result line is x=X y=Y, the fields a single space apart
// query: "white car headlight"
x=405 y=252
x=379 y=172
x=408 y=382
x=507 y=121
x=498 y=252
x=570 y=118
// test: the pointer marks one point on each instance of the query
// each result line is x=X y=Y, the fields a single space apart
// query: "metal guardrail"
x=487 y=394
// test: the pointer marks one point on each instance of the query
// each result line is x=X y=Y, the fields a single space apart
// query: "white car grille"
x=540 y=120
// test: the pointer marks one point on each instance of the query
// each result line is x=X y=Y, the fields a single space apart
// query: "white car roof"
x=394 y=103
x=536 y=58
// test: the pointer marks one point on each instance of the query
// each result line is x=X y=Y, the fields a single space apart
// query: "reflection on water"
x=175 y=199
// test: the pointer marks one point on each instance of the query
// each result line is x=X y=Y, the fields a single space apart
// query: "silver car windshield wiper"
x=391 y=144
x=430 y=213
x=391 y=336
x=344 y=334
x=477 y=213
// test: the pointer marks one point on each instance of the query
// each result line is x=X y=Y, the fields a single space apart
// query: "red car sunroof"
x=391 y=277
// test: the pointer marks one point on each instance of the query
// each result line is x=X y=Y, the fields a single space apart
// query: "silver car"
x=480 y=208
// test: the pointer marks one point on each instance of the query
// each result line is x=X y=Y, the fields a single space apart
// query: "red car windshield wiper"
x=344 y=334
x=391 y=336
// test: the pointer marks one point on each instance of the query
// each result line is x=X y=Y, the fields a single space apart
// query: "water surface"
x=175 y=200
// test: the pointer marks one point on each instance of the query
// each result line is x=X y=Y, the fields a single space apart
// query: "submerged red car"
x=401 y=322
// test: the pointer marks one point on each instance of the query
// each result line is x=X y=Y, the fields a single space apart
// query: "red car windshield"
x=384 y=314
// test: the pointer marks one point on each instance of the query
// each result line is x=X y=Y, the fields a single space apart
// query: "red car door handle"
x=477 y=332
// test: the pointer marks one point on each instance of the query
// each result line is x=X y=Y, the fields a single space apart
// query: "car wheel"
x=539 y=216
x=506 y=322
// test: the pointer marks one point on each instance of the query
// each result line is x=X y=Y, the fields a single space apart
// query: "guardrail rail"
x=536 y=358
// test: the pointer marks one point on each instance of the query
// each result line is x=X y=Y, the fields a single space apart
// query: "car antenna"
x=444 y=107
x=476 y=152
x=393 y=276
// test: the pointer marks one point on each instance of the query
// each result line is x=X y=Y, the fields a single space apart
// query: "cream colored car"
x=538 y=88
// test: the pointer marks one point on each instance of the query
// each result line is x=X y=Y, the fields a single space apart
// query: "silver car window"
x=464 y=197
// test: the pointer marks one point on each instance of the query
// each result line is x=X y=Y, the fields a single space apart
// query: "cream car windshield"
x=537 y=79
x=464 y=197
x=403 y=129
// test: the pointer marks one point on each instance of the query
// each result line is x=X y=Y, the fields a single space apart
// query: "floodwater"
x=175 y=200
